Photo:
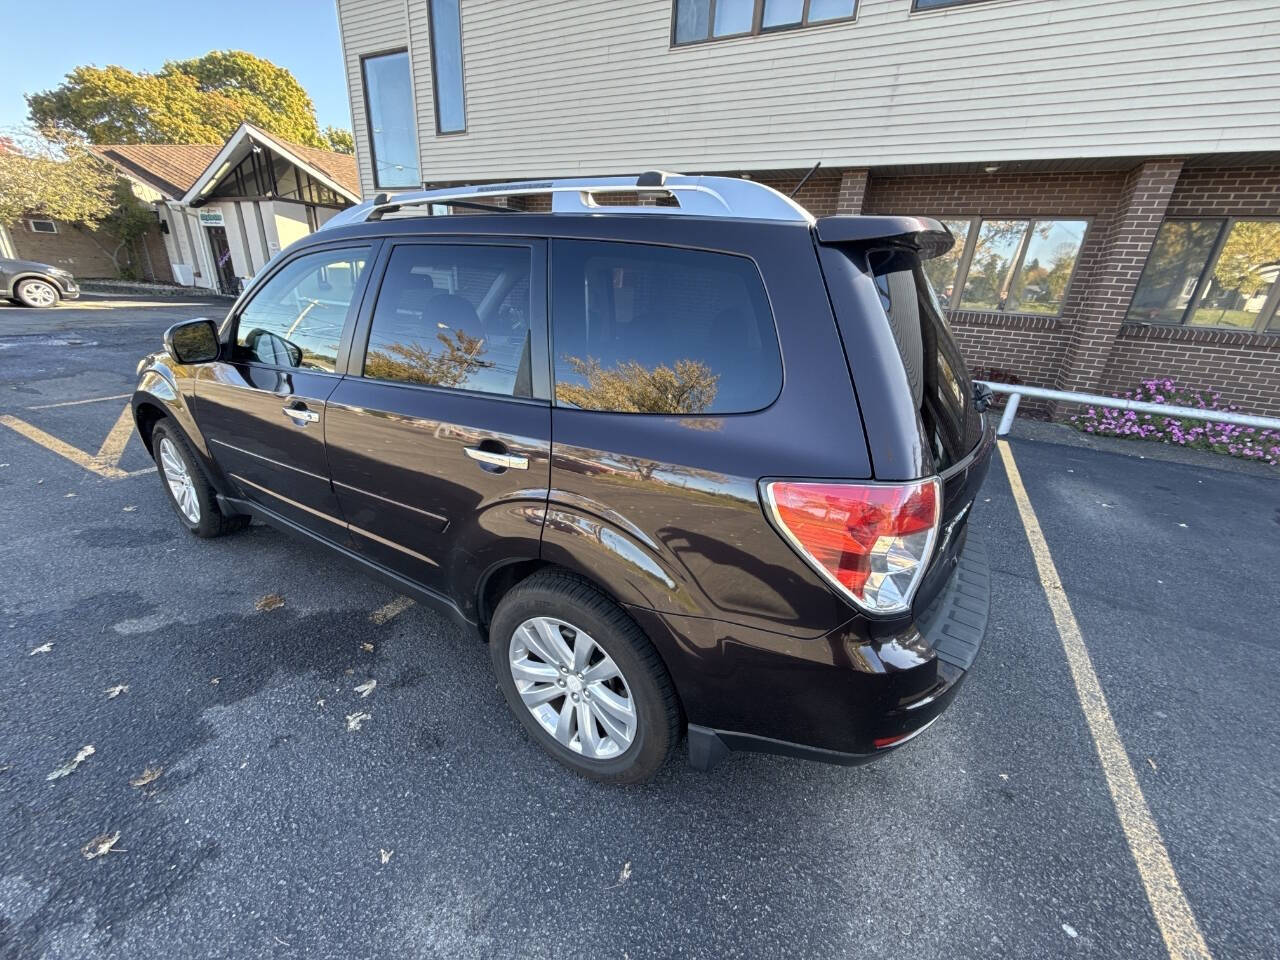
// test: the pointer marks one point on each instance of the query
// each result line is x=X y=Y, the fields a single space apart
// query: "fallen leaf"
x=67 y=496
x=624 y=874
x=214 y=681
x=367 y=647
x=149 y=775
x=1004 y=776
x=130 y=509
x=101 y=845
x=355 y=720
x=1153 y=764
x=43 y=648
x=113 y=692
x=1183 y=526
x=393 y=609
x=320 y=702
x=272 y=601
x=83 y=754
x=385 y=854
x=348 y=671
x=1069 y=930
x=283 y=943
x=366 y=688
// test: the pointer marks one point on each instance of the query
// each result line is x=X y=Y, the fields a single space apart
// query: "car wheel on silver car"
x=190 y=494
x=583 y=680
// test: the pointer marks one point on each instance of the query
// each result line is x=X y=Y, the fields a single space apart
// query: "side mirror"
x=192 y=341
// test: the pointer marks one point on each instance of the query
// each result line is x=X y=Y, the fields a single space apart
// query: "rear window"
x=646 y=329
x=940 y=385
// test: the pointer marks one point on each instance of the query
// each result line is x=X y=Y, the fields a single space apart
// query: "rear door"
x=439 y=439
x=261 y=406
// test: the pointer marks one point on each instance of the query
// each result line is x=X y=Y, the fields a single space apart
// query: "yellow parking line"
x=112 y=448
x=1182 y=937
x=76 y=403
x=62 y=448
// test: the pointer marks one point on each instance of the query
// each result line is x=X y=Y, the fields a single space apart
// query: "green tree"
x=339 y=140
x=448 y=365
x=201 y=100
x=56 y=178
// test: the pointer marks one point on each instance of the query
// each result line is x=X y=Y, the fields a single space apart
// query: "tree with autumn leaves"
x=201 y=100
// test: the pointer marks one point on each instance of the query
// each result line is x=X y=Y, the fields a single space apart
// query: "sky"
x=301 y=35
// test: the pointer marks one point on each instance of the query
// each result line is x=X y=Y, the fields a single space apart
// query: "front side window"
x=1014 y=266
x=456 y=317
x=393 y=133
x=446 y=66
x=1216 y=272
x=296 y=318
x=648 y=329
x=698 y=20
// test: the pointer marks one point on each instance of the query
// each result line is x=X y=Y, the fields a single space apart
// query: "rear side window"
x=647 y=329
x=454 y=316
x=296 y=319
x=940 y=385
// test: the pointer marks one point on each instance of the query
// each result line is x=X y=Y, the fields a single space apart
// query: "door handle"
x=509 y=461
x=301 y=415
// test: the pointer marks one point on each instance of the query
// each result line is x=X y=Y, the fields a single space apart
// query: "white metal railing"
x=697 y=196
x=1017 y=392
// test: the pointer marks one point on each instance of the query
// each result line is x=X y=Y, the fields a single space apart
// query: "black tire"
x=34 y=292
x=211 y=522
x=659 y=723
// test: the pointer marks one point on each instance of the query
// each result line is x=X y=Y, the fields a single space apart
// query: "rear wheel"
x=583 y=679
x=189 y=492
x=36 y=293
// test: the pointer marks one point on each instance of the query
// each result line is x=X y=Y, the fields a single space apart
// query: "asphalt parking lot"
x=277 y=825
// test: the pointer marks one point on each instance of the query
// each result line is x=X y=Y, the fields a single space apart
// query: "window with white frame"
x=1007 y=265
x=41 y=225
x=1212 y=272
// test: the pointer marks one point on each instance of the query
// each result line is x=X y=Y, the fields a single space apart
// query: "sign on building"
x=211 y=218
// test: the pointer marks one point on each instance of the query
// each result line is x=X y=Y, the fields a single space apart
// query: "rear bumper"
x=841 y=698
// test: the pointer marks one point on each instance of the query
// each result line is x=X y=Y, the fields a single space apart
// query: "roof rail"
x=697 y=196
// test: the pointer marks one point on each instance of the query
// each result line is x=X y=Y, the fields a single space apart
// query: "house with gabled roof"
x=225 y=210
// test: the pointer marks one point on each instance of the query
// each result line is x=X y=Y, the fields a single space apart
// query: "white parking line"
x=1182 y=936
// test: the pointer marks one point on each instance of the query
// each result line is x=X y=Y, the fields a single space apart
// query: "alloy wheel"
x=178 y=477
x=39 y=293
x=573 y=688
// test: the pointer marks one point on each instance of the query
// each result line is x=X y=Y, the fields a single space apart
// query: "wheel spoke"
x=610 y=703
x=538 y=695
x=606 y=669
x=564 y=726
x=583 y=648
x=587 y=729
x=617 y=731
x=548 y=632
x=534 y=672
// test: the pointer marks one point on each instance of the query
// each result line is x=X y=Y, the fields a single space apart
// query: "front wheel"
x=583 y=679
x=190 y=494
x=36 y=293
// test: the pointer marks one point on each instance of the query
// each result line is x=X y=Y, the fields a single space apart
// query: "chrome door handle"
x=301 y=415
x=511 y=461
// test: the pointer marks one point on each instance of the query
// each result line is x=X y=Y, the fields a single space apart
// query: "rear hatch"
x=914 y=391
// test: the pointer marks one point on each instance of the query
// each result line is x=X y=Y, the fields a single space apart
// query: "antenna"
x=805 y=178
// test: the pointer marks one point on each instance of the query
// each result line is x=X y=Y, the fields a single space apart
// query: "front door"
x=262 y=406
x=226 y=271
x=439 y=439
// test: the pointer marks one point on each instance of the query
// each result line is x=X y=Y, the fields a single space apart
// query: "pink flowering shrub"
x=1236 y=441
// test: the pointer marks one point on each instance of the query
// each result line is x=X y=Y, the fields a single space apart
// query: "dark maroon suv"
x=686 y=458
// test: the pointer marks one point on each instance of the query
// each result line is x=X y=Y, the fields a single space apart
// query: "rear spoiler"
x=928 y=238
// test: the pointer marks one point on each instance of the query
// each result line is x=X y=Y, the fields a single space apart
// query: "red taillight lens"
x=872 y=541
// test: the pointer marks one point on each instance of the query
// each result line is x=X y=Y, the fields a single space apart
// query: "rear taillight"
x=872 y=541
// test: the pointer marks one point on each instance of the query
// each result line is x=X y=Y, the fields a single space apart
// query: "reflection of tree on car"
x=630 y=387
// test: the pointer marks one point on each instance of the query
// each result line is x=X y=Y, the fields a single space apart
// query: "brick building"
x=1111 y=170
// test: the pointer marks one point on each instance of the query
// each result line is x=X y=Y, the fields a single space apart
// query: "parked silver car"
x=36 y=284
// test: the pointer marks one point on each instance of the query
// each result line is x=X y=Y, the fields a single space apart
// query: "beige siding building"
x=1106 y=165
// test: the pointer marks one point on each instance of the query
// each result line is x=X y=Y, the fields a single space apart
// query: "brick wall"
x=73 y=248
x=1243 y=366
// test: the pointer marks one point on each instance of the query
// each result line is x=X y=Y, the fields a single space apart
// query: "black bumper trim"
x=707 y=747
x=955 y=623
